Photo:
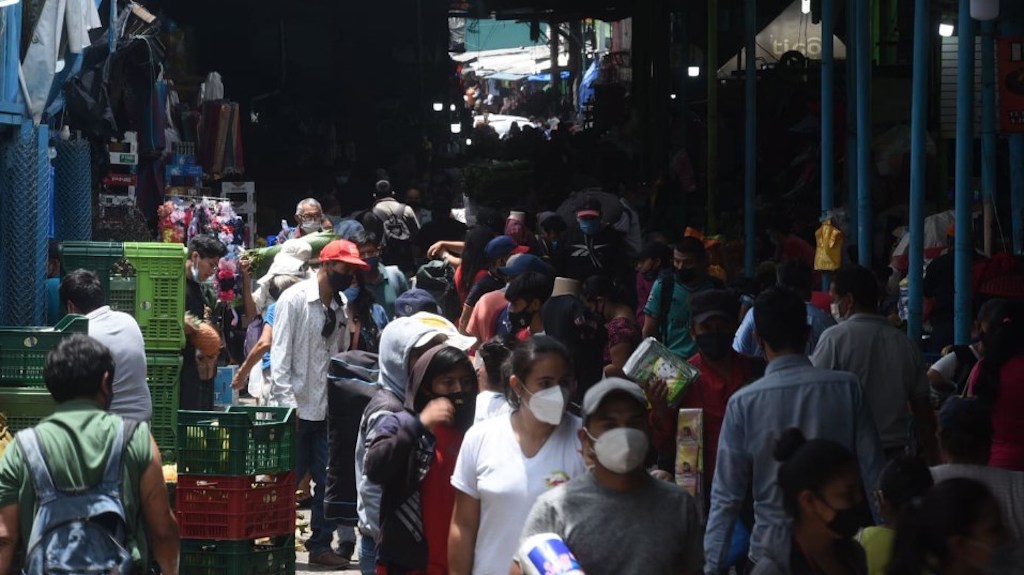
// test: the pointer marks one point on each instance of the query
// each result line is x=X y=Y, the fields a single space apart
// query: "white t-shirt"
x=492 y=468
x=947 y=364
x=490 y=404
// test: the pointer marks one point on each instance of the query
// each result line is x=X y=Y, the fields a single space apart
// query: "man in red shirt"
x=723 y=371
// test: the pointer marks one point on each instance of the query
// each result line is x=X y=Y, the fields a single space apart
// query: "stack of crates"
x=24 y=399
x=235 y=497
x=149 y=284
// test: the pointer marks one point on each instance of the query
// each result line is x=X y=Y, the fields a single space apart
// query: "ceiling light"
x=945 y=29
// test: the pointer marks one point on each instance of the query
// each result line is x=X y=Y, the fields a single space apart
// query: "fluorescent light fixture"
x=5 y=3
x=456 y=128
x=693 y=71
x=438 y=106
x=945 y=29
x=805 y=6
x=469 y=141
x=452 y=107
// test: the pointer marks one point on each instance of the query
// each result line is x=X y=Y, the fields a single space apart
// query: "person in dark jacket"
x=591 y=248
x=412 y=458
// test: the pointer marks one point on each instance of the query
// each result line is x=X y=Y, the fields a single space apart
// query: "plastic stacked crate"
x=154 y=294
x=24 y=399
x=235 y=497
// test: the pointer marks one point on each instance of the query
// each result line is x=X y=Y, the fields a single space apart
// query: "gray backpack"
x=77 y=532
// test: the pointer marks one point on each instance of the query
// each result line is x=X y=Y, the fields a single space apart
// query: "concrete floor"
x=301 y=557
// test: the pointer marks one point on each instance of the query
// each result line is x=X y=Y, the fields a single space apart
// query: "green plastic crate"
x=23 y=350
x=159 y=305
x=240 y=441
x=274 y=556
x=163 y=373
x=121 y=295
x=25 y=407
x=94 y=256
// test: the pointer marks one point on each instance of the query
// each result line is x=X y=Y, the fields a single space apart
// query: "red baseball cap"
x=343 y=251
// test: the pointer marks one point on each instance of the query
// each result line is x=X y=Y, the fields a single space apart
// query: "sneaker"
x=346 y=549
x=328 y=559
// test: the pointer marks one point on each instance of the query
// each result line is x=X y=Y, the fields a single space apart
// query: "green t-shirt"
x=677 y=332
x=77 y=440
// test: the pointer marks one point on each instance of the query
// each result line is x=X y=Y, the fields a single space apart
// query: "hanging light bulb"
x=984 y=9
x=456 y=128
x=438 y=106
x=945 y=29
x=693 y=71
x=805 y=6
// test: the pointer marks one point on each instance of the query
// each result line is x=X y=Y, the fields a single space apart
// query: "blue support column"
x=828 y=112
x=864 y=166
x=828 y=105
x=851 y=117
x=964 y=249
x=988 y=121
x=750 y=140
x=1012 y=24
x=918 y=165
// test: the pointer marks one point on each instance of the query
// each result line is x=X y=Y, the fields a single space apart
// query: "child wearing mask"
x=412 y=457
x=903 y=480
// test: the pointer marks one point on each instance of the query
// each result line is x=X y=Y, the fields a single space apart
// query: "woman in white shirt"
x=507 y=461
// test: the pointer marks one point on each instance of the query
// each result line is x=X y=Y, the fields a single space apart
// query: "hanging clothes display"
x=220 y=138
x=181 y=218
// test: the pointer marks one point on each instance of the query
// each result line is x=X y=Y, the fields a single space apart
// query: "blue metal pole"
x=851 y=116
x=918 y=165
x=1012 y=24
x=864 y=168
x=963 y=250
x=828 y=112
x=12 y=52
x=750 y=140
x=988 y=118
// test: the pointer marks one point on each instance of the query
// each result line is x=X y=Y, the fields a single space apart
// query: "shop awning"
x=504 y=76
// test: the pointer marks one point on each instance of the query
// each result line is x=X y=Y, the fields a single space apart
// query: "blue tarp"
x=547 y=77
x=587 y=84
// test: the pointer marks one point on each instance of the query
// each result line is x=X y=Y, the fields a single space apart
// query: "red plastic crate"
x=235 y=508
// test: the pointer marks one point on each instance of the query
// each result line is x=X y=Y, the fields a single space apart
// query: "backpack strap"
x=32 y=450
x=668 y=288
x=112 y=473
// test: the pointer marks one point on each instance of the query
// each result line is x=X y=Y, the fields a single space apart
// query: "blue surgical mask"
x=590 y=226
x=351 y=293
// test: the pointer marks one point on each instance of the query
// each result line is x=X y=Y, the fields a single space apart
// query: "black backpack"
x=438 y=278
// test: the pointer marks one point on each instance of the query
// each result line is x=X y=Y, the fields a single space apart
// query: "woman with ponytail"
x=998 y=379
x=822 y=492
x=956 y=529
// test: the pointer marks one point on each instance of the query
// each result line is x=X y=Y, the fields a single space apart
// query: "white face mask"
x=547 y=405
x=836 y=314
x=195 y=271
x=620 y=450
x=310 y=227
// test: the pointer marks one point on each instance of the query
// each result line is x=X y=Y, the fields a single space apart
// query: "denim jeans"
x=367 y=554
x=311 y=456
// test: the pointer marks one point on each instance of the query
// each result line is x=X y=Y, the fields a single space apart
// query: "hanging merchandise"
x=220 y=138
x=181 y=218
x=828 y=255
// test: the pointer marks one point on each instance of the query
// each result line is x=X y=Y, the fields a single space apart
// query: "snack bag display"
x=690 y=452
x=652 y=361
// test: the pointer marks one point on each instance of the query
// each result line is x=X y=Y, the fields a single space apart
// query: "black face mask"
x=520 y=319
x=714 y=346
x=465 y=409
x=686 y=275
x=339 y=281
x=847 y=522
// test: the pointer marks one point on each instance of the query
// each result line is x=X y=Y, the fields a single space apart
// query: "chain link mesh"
x=24 y=227
x=72 y=201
